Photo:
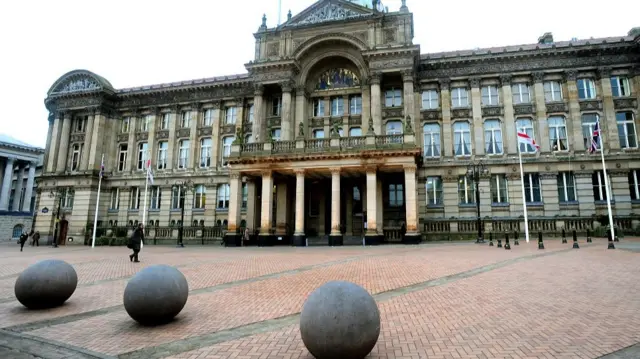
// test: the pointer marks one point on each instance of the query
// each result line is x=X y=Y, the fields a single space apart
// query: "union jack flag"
x=101 y=167
x=595 y=137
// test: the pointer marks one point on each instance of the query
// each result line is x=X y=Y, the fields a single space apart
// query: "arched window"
x=558 y=133
x=17 y=231
x=157 y=224
x=202 y=223
x=219 y=223
x=525 y=125
x=337 y=78
x=462 y=139
x=431 y=140
x=195 y=222
x=394 y=128
x=493 y=137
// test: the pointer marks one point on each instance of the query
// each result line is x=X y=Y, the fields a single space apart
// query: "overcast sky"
x=143 y=42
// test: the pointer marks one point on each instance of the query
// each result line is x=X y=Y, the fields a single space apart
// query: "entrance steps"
x=324 y=241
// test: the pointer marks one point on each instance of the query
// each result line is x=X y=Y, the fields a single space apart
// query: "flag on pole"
x=102 y=167
x=595 y=137
x=526 y=139
x=149 y=173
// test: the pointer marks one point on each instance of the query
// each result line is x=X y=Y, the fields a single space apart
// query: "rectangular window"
x=459 y=97
x=134 y=200
x=525 y=125
x=434 y=191
x=626 y=130
x=186 y=119
x=599 y=186
x=122 y=157
x=355 y=105
x=245 y=195
x=337 y=106
x=163 y=147
x=520 y=93
x=275 y=134
x=276 y=106
x=124 y=126
x=318 y=133
x=143 y=153
x=223 y=196
x=430 y=100
x=114 y=202
x=499 y=189
x=396 y=195
x=205 y=152
x=355 y=132
x=393 y=98
x=586 y=89
x=462 y=139
x=75 y=157
x=156 y=197
x=251 y=114
x=558 y=133
x=431 y=133
x=200 y=197
x=164 y=122
x=466 y=191
x=226 y=146
x=493 y=137
x=80 y=123
x=231 y=115
x=634 y=184
x=183 y=153
x=318 y=107
x=207 y=120
x=552 y=91
x=588 y=124
x=176 y=197
x=490 y=96
x=145 y=123
x=532 y=188
x=566 y=187
x=620 y=86
x=66 y=201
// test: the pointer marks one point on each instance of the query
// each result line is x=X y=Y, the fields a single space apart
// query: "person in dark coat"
x=136 y=239
x=23 y=240
x=36 y=239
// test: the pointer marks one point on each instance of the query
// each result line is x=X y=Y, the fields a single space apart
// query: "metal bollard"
x=515 y=238
x=575 y=240
x=499 y=243
x=589 y=236
x=490 y=239
x=540 y=242
x=506 y=241
x=564 y=236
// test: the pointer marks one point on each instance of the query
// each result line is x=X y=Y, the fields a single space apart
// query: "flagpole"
x=144 y=209
x=524 y=196
x=606 y=182
x=95 y=218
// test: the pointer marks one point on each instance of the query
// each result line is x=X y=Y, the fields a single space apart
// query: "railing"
x=118 y=236
x=352 y=142
x=284 y=146
x=389 y=140
x=317 y=144
x=252 y=147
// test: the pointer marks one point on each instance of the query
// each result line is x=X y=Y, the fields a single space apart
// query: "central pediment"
x=328 y=11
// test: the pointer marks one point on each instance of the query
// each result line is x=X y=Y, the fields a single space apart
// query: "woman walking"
x=134 y=243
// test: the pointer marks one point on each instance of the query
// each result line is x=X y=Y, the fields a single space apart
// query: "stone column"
x=47 y=147
x=301 y=112
x=608 y=122
x=266 y=210
x=251 y=204
x=335 y=237
x=372 y=204
x=63 y=147
x=298 y=235
x=15 y=206
x=366 y=105
x=411 y=204
x=151 y=139
x=542 y=133
x=28 y=191
x=52 y=150
x=511 y=143
x=86 y=150
x=447 y=131
x=194 y=146
x=232 y=237
x=258 y=115
x=476 y=109
x=409 y=108
x=376 y=104
x=99 y=137
x=282 y=212
x=7 y=180
x=574 y=122
x=287 y=121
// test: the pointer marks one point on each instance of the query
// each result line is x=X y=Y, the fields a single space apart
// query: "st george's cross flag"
x=524 y=138
x=149 y=173
x=595 y=137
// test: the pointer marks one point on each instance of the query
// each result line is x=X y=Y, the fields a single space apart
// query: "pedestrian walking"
x=23 y=240
x=36 y=239
x=134 y=243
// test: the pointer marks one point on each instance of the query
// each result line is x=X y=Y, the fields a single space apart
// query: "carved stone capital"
x=570 y=75
x=234 y=175
x=266 y=173
x=375 y=78
x=407 y=76
x=258 y=89
x=239 y=101
x=444 y=83
x=335 y=171
x=408 y=169
x=474 y=82
x=216 y=105
x=538 y=76
x=371 y=168
x=175 y=109
x=505 y=79
x=299 y=171
x=196 y=106
x=604 y=72
x=286 y=86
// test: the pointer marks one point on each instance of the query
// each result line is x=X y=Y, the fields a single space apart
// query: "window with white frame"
x=186 y=119
x=430 y=100
x=434 y=191
x=586 y=89
x=588 y=124
x=163 y=148
x=276 y=106
x=493 y=137
x=634 y=184
x=466 y=191
x=66 y=200
x=532 y=189
x=275 y=134
x=626 y=129
x=599 y=186
x=393 y=128
x=164 y=121
x=226 y=148
x=75 y=156
x=134 y=199
x=245 y=195
x=205 y=152
x=396 y=195
x=620 y=86
x=207 y=119
x=122 y=157
x=318 y=107
x=566 y=187
x=318 y=133
x=114 y=201
x=459 y=97
x=461 y=139
x=552 y=91
x=145 y=123
x=499 y=189
x=520 y=93
x=200 y=197
x=525 y=125
x=143 y=153
x=337 y=106
x=223 y=196
x=251 y=113
x=231 y=115
x=558 y=133
x=393 y=98
x=355 y=132
x=490 y=95
x=156 y=197
x=183 y=153
x=176 y=197
x=79 y=124
x=124 y=126
x=431 y=136
x=355 y=105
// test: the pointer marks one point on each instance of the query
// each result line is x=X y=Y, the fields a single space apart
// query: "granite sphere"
x=340 y=320
x=46 y=284
x=156 y=294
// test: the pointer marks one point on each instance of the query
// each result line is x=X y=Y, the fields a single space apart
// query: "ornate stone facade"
x=341 y=129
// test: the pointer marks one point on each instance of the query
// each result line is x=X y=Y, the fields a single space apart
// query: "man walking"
x=134 y=243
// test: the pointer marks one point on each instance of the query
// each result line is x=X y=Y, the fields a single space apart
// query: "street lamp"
x=474 y=171
x=57 y=194
x=182 y=187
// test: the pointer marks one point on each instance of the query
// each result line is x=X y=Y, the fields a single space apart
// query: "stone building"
x=20 y=164
x=342 y=129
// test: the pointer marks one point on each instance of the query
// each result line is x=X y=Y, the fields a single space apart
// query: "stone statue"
x=408 y=129
x=301 y=129
x=336 y=129
x=370 y=131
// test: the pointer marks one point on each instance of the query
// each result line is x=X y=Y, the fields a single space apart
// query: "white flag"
x=149 y=173
x=524 y=138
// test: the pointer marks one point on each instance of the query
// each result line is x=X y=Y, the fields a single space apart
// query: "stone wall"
x=9 y=221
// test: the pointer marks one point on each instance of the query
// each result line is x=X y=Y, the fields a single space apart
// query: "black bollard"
x=575 y=240
x=490 y=239
x=499 y=243
x=589 y=236
x=506 y=241
x=515 y=238
x=611 y=246
x=564 y=236
x=540 y=243
x=615 y=239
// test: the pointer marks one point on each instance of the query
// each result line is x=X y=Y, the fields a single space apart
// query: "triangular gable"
x=328 y=10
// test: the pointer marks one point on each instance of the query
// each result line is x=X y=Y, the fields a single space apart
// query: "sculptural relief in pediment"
x=329 y=12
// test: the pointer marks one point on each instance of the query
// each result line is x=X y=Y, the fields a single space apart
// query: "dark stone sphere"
x=46 y=284
x=156 y=294
x=340 y=320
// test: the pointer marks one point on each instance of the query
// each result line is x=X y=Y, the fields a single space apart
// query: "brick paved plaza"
x=447 y=300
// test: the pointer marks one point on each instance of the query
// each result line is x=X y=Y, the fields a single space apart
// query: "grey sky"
x=143 y=42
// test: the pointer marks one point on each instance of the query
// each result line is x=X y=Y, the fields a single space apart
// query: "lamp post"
x=57 y=194
x=474 y=171
x=182 y=187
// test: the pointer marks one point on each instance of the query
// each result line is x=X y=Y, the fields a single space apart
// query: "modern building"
x=342 y=129
x=20 y=164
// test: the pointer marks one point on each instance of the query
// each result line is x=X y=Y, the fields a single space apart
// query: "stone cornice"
x=370 y=154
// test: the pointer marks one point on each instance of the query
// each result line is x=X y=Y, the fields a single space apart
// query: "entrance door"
x=62 y=234
x=357 y=211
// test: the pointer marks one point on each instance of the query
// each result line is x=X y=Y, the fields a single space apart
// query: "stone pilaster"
x=216 y=144
x=447 y=130
x=620 y=191
x=584 y=191
x=574 y=122
x=409 y=107
x=372 y=202
x=376 y=103
x=301 y=113
x=411 y=202
x=151 y=139
x=450 y=195
x=99 y=137
x=542 y=130
x=235 y=202
x=251 y=204
x=335 y=201
x=86 y=150
x=300 y=213
x=549 y=188
x=287 y=123
x=52 y=150
x=172 y=142
x=258 y=115
x=132 y=146
x=194 y=142
x=366 y=105
x=28 y=192
x=63 y=147
x=15 y=206
x=608 y=120
x=48 y=150
x=476 y=108
x=510 y=145
x=266 y=211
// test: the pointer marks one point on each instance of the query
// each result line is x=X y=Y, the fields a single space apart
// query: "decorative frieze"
x=169 y=97
x=625 y=103
x=491 y=111
x=554 y=107
x=162 y=134
x=142 y=136
x=183 y=132
x=205 y=131
x=591 y=105
x=461 y=113
x=228 y=129
x=392 y=112
x=431 y=115
x=77 y=137
x=523 y=109
x=123 y=137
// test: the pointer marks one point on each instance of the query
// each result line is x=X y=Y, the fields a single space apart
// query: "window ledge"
x=222 y=209
x=133 y=210
x=467 y=205
x=569 y=204
x=499 y=205
x=113 y=210
x=435 y=206
x=535 y=204
x=153 y=210
x=198 y=210
x=631 y=149
x=432 y=158
x=174 y=210
x=604 y=203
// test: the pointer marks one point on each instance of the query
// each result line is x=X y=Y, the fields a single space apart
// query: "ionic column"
x=335 y=202
x=28 y=191
x=299 y=225
x=541 y=113
x=15 y=206
x=235 y=202
x=266 y=211
x=48 y=149
x=86 y=150
x=63 y=145
x=258 y=128
x=411 y=202
x=376 y=104
x=287 y=124
x=7 y=179
x=372 y=201
x=509 y=115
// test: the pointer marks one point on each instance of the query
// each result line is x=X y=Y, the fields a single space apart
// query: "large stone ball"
x=46 y=284
x=156 y=294
x=340 y=320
